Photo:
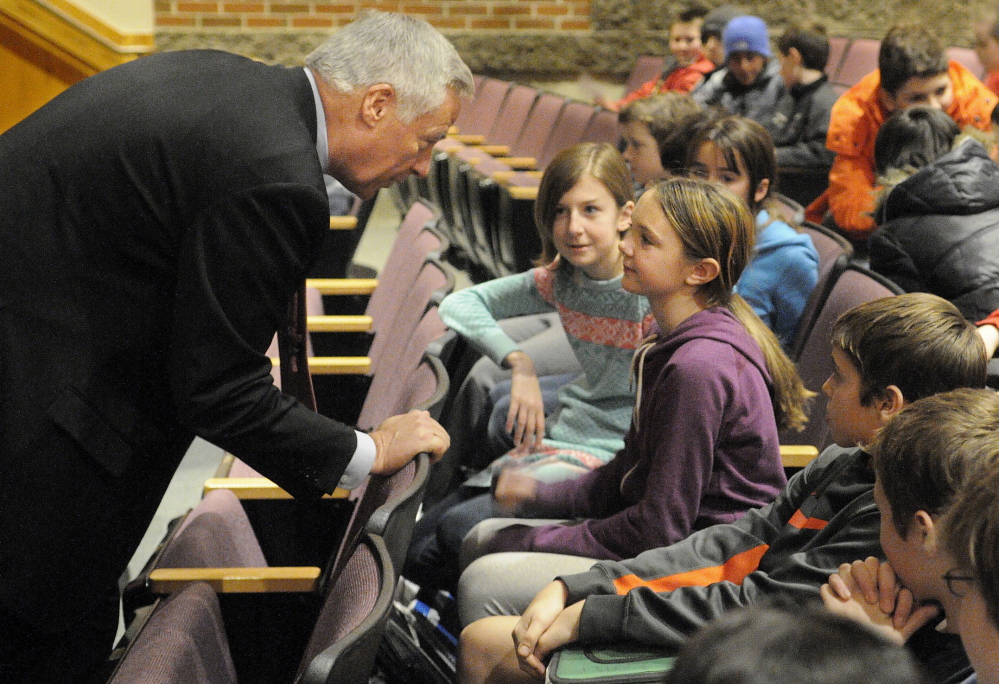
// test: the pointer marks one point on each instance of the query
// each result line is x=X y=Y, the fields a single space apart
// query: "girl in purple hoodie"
x=714 y=386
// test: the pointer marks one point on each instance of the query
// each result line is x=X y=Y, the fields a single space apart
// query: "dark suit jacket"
x=154 y=221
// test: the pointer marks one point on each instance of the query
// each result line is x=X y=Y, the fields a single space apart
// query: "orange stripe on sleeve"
x=734 y=570
x=802 y=523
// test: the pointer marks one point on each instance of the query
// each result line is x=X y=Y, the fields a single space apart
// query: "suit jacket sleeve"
x=238 y=265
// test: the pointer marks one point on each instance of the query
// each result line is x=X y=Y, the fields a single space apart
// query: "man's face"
x=685 y=41
x=746 y=66
x=931 y=91
x=391 y=150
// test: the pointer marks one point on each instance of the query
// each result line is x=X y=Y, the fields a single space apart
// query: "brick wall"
x=531 y=40
x=503 y=15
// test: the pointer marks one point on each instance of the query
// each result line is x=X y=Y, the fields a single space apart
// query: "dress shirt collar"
x=322 y=144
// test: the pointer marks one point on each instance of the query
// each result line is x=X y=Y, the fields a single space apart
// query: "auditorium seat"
x=834 y=252
x=855 y=285
x=189 y=638
x=646 y=68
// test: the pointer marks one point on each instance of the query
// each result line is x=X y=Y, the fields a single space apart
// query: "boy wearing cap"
x=749 y=84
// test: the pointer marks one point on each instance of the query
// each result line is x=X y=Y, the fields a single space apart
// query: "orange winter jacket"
x=681 y=80
x=856 y=118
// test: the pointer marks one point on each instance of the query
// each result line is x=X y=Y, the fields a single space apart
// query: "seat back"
x=393 y=521
x=602 y=128
x=390 y=393
x=790 y=211
x=349 y=630
x=402 y=265
x=568 y=130
x=968 y=57
x=182 y=642
x=856 y=285
x=513 y=115
x=539 y=126
x=478 y=117
x=834 y=253
x=647 y=67
x=215 y=534
x=837 y=49
x=861 y=58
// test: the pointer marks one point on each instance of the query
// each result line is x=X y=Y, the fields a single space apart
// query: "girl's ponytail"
x=790 y=397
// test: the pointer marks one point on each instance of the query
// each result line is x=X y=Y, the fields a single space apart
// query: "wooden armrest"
x=469 y=138
x=528 y=163
x=343 y=222
x=343 y=286
x=495 y=150
x=237 y=580
x=797 y=455
x=505 y=176
x=452 y=130
x=339 y=323
x=336 y=365
x=257 y=488
x=520 y=192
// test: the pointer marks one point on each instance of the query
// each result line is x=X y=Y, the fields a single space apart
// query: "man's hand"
x=869 y=592
x=514 y=488
x=399 y=438
x=544 y=610
x=526 y=418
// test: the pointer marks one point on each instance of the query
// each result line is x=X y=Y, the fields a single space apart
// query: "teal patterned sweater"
x=604 y=324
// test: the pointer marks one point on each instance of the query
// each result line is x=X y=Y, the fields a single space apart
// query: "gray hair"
x=407 y=53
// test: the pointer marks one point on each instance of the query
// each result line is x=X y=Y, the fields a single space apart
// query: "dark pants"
x=432 y=561
x=77 y=655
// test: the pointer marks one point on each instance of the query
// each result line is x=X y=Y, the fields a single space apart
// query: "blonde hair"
x=599 y=160
x=714 y=223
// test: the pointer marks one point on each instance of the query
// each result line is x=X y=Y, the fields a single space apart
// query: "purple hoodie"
x=702 y=449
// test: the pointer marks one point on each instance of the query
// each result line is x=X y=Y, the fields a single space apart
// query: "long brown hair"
x=599 y=160
x=714 y=223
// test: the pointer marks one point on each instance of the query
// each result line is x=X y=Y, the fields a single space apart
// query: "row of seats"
x=256 y=586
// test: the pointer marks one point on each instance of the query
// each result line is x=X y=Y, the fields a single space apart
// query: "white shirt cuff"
x=360 y=464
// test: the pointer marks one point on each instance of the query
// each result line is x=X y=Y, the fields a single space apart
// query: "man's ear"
x=378 y=101
x=704 y=271
x=890 y=403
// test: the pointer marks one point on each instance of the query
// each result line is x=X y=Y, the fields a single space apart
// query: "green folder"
x=624 y=664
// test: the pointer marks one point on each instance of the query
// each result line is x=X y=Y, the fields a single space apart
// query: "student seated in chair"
x=750 y=80
x=937 y=468
x=939 y=211
x=913 y=69
x=800 y=120
x=683 y=69
x=886 y=353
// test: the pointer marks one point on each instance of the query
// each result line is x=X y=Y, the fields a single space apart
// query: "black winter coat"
x=940 y=231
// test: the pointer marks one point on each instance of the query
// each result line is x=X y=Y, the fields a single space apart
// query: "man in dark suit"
x=155 y=220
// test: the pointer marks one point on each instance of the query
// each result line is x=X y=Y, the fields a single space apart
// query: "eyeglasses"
x=957 y=584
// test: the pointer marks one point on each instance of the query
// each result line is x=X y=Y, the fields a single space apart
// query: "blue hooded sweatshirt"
x=781 y=276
